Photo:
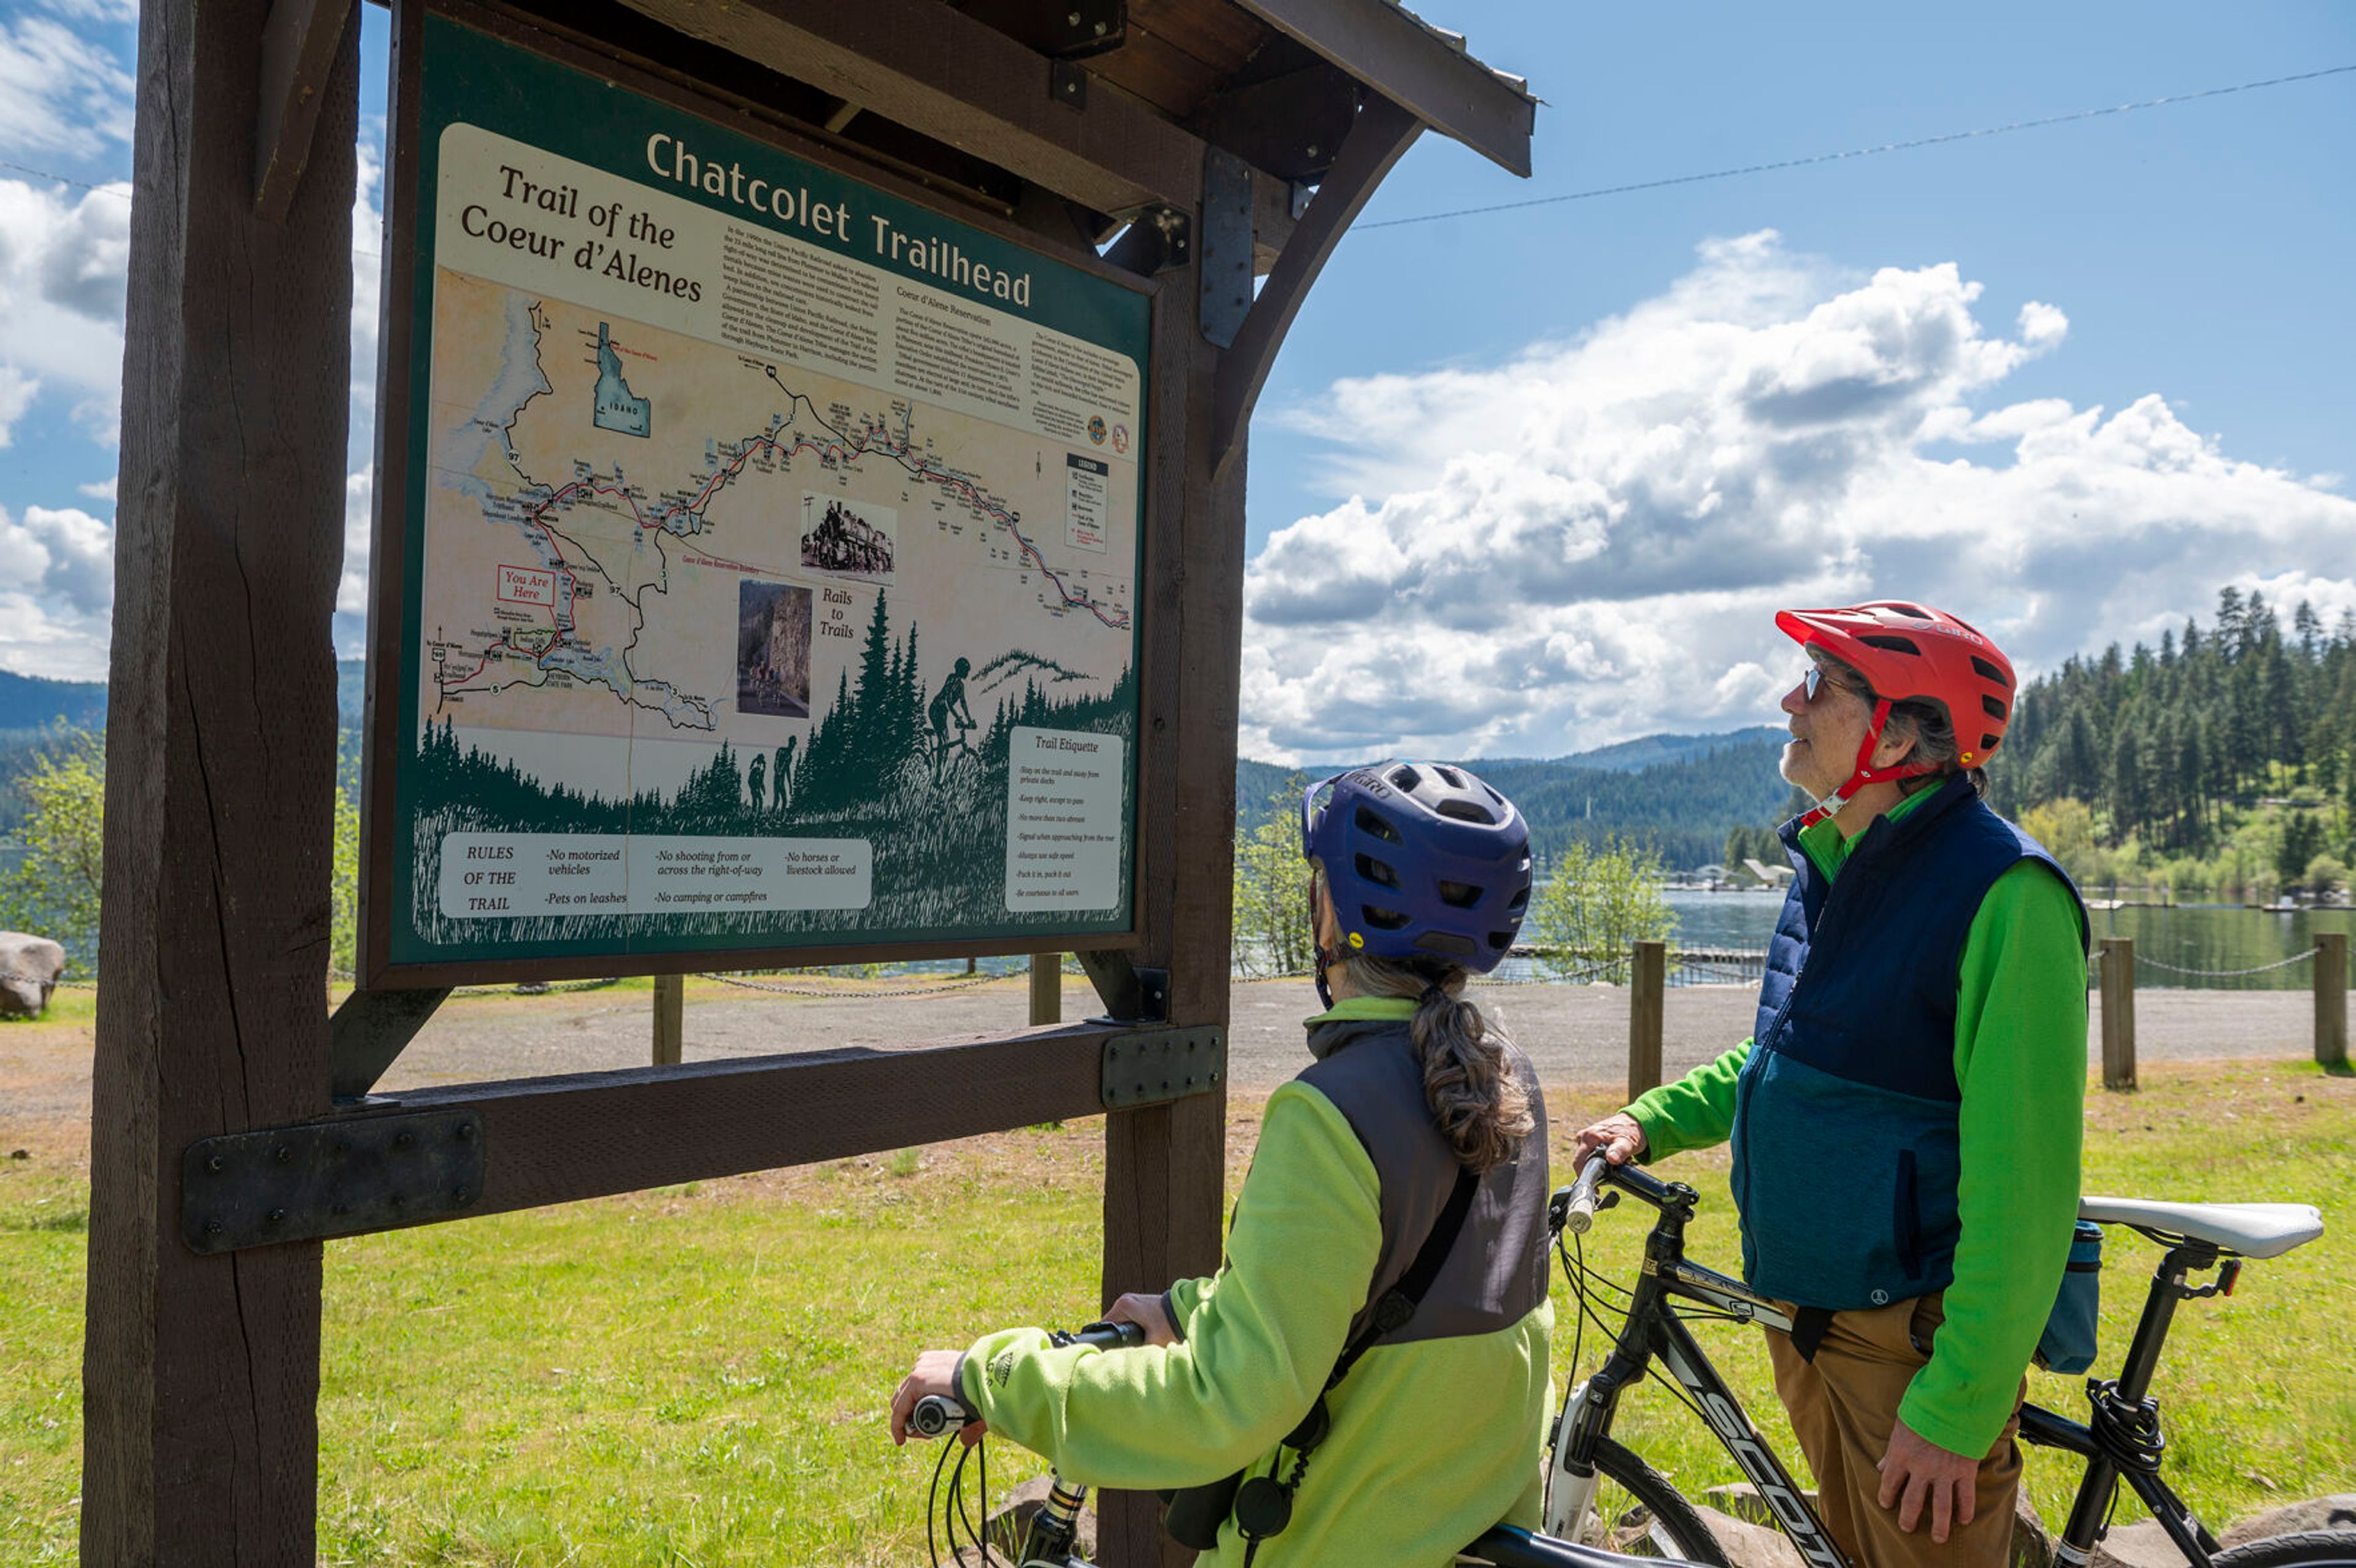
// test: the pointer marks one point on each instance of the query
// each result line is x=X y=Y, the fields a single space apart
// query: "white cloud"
x=61 y=92
x=62 y=269
x=100 y=490
x=57 y=571
x=17 y=390
x=1587 y=543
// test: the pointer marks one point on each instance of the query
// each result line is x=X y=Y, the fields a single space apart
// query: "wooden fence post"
x=2118 y=1012
x=671 y=1019
x=2331 y=998
x=1648 y=982
x=1046 y=987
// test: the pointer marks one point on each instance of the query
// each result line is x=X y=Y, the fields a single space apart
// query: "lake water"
x=2209 y=937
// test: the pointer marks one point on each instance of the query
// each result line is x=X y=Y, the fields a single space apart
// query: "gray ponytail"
x=1480 y=1106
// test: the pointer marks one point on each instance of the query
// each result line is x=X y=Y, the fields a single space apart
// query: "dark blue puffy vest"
x=1844 y=1136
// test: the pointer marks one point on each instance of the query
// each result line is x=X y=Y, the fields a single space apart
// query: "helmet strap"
x=1327 y=959
x=1863 y=772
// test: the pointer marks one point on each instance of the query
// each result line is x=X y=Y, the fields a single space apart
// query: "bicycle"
x=1049 y=1540
x=2122 y=1439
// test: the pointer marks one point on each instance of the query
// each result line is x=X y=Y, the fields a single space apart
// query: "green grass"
x=697 y=1375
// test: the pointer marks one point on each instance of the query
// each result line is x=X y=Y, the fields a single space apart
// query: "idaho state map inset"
x=599 y=489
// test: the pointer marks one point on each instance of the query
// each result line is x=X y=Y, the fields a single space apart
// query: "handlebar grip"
x=1107 y=1335
x=936 y=1413
x=1580 y=1212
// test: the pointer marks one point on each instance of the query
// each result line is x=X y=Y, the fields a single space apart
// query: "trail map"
x=770 y=549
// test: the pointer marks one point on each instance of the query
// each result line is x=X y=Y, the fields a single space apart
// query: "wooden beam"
x=200 y=1374
x=1165 y=1165
x=1380 y=138
x=558 y=1140
x=1398 y=58
x=298 y=50
x=959 y=81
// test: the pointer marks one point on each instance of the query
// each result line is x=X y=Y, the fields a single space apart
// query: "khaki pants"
x=1843 y=1405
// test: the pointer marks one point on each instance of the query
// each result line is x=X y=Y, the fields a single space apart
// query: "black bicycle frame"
x=1654 y=1330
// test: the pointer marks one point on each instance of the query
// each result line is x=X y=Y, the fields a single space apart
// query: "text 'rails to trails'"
x=741 y=569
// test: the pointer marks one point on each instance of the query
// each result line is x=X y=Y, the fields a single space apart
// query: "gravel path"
x=1577 y=1034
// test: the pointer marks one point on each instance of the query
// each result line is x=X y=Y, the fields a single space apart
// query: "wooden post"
x=1046 y=987
x=671 y=1019
x=1648 y=980
x=2118 y=1012
x=200 y=1374
x=2331 y=998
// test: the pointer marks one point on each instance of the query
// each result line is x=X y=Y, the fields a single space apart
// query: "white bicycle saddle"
x=2251 y=1229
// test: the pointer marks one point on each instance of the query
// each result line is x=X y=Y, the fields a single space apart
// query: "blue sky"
x=2108 y=361
x=2200 y=250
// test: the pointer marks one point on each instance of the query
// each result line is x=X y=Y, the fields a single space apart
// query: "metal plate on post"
x=1146 y=1068
x=330 y=1178
x=1227 y=278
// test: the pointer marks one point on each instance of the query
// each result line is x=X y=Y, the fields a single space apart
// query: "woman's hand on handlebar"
x=1150 y=1313
x=935 y=1373
x=1616 y=1137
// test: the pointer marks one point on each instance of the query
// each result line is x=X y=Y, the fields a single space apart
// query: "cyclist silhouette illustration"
x=947 y=704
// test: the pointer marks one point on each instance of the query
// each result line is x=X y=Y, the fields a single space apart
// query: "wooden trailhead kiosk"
x=809 y=528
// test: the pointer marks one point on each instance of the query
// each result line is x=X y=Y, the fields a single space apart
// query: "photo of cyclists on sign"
x=836 y=537
x=773 y=648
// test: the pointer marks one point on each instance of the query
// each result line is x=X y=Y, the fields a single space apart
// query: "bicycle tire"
x=1672 y=1516
x=2308 y=1549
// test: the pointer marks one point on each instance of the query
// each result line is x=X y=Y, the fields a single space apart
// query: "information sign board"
x=757 y=548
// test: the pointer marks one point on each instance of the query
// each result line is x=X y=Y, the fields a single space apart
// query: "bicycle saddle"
x=2251 y=1230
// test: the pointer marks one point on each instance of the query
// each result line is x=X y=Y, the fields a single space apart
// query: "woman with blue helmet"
x=1364 y=1381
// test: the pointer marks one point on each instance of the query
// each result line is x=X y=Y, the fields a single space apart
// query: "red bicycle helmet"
x=1911 y=653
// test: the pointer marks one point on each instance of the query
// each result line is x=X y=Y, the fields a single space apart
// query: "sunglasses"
x=1816 y=680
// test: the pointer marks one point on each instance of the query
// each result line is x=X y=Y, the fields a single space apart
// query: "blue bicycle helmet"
x=1423 y=860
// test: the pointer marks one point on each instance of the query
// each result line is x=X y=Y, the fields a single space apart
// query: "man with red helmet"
x=1905 y=1118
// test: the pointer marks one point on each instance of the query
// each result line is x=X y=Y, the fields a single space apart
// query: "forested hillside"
x=1682 y=806
x=2223 y=760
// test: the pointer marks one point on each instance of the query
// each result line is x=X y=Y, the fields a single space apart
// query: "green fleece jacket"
x=1433 y=1441
x=2020 y=1061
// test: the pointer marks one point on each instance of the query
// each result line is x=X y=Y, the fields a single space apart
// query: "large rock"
x=2143 y=1545
x=2336 y=1512
x=1748 y=1545
x=2031 y=1546
x=29 y=968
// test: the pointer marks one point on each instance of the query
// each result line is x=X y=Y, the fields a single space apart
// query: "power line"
x=1857 y=152
x=1985 y=130
x=65 y=179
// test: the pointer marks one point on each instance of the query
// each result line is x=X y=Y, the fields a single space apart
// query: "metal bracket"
x=1067 y=83
x=1163 y=1064
x=330 y=1178
x=1130 y=995
x=1082 y=28
x=1227 y=276
x=1158 y=239
x=369 y=1031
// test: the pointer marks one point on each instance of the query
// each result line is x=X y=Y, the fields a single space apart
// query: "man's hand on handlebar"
x=1150 y=1312
x=935 y=1373
x=1617 y=1137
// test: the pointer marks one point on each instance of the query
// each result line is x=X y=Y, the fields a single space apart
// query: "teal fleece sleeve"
x=2020 y=1060
x=1695 y=1111
x=1260 y=1336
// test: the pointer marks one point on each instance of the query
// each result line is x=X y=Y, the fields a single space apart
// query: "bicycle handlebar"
x=937 y=1414
x=1578 y=1212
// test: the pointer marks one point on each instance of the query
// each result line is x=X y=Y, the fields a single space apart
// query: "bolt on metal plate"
x=1154 y=1065
x=330 y=1178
